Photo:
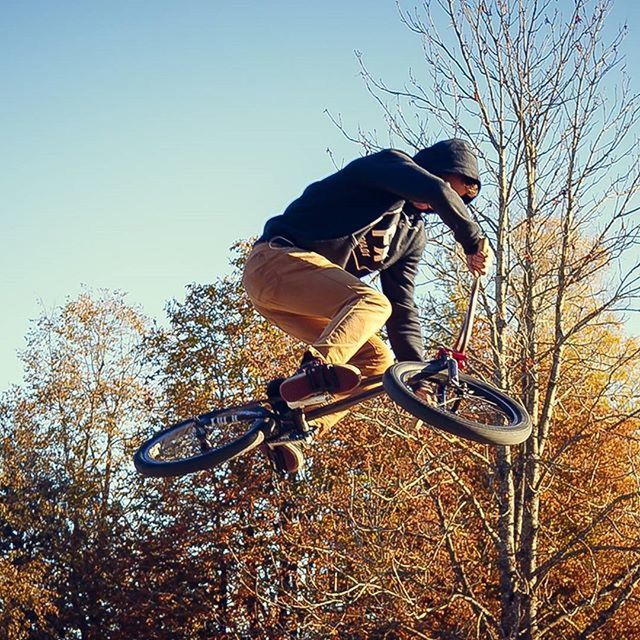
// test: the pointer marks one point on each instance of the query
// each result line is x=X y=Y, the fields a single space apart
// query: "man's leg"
x=311 y=291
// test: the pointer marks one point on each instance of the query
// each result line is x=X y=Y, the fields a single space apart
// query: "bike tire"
x=176 y=451
x=505 y=421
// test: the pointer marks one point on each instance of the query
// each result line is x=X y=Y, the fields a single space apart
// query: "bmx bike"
x=436 y=392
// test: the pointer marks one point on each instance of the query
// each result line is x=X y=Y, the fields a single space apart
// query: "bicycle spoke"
x=460 y=401
x=193 y=439
x=201 y=443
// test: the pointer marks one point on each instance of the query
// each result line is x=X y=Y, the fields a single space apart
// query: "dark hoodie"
x=357 y=218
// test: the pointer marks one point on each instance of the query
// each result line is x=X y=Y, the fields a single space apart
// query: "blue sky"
x=141 y=139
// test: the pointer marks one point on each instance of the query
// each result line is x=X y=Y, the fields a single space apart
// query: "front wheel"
x=471 y=409
x=202 y=443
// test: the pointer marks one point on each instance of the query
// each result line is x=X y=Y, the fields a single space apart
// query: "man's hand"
x=479 y=263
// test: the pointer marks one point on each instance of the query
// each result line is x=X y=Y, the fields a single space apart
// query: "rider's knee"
x=380 y=303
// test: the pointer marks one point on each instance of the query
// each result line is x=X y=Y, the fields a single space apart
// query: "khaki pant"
x=316 y=301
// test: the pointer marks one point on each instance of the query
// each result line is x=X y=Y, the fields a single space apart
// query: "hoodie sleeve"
x=403 y=326
x=395 y=172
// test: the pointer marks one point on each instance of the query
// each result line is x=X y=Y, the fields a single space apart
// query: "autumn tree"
x=389 y=533
x=65 y=464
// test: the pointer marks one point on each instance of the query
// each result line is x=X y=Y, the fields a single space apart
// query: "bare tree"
x=542 y=94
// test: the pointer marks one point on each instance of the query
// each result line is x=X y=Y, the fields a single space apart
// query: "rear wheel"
x=202 y=443
x=472 y=409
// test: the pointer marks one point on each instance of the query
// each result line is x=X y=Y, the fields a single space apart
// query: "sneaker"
x=285 y=456
x=315 y=379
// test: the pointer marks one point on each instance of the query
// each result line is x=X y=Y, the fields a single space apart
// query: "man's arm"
x=403 y=327
x=394 y=171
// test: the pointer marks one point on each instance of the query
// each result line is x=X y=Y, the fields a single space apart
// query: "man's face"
x=455 y=181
